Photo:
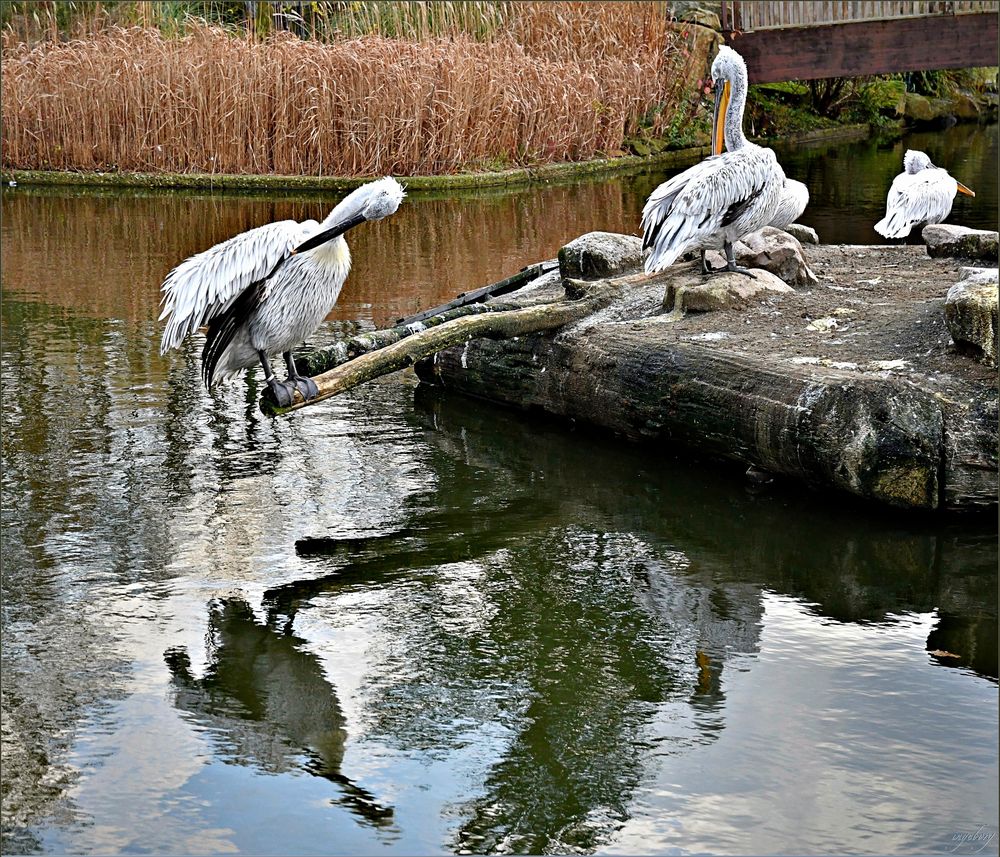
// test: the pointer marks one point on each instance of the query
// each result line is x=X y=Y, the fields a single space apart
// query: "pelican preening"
x=265 y=290
x=922 y=193
x=726 y=196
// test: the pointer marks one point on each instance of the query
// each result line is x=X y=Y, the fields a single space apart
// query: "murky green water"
x=400 y=622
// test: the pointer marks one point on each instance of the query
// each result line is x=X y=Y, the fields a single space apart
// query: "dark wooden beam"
x=869 y=47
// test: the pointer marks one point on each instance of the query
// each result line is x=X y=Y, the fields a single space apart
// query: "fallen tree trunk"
x=470 y=323
x=467 y=303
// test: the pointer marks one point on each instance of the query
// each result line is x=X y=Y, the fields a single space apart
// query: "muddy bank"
x=852 y=383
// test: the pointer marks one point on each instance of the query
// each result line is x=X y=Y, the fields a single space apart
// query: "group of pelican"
x=263 y=291
x=741 y=188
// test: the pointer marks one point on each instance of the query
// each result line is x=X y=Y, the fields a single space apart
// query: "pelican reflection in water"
x=266 y=701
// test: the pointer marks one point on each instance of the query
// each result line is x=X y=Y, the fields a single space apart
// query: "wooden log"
x=467 y=303
x=582 y=299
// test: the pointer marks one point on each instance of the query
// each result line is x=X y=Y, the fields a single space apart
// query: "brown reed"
x=553 y=81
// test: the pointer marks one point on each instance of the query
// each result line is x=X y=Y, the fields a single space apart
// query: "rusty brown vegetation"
x=553 y=82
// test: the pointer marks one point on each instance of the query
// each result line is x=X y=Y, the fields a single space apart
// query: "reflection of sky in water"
x=537 y=639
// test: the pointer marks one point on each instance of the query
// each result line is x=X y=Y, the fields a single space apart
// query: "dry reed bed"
x=559 y=83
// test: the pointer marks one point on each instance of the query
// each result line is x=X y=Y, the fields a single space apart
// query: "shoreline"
x=516 y=177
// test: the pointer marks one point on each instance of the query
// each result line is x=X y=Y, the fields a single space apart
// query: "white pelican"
x=922 y=193
x=729 y=194
x=265 y=290
x=794 y=199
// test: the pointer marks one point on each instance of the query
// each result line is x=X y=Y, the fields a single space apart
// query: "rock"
x=971 y=312
x=964 y=107
x=600 y=254
x=944 y=239
x=720 y=291
x=980 y=275
x=702 y=17
x=918 y=107
x=802 y=233
x=777 y=251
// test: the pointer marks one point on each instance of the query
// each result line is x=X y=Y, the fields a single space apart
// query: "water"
x=401 y=622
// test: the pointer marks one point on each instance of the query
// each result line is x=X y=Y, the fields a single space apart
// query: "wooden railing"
x=761 y=15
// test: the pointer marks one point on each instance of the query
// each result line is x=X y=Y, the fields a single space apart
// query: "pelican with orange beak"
x=922 y=193
x=728 y=195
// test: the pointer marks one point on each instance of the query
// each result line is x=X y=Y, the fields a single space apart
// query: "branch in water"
x=583 y=299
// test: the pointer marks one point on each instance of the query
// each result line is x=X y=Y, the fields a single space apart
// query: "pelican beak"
x=963 y=189
x=722 y=95
x=329 y=234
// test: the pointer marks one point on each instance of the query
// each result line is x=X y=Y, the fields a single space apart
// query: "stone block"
x=597 y=255
x=945 y=239
x=802 y=233
x=777 y=251
x=971 y=312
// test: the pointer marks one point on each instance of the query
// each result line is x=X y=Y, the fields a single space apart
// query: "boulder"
x=720 y=291
x=802 y=233
x=945 y=239
x=980 y=275
x=971 y=312
x=963 y=106
x=597 y=255
x=918 y=107
x=777 y=251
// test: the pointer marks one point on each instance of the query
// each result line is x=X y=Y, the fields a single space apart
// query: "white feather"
x=295 y=299
x=922 y=194
x=722 y=198
x=794 y=199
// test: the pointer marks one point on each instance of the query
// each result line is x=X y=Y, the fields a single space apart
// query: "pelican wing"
x=923 y=197
x=690 y=209
x=204 y=285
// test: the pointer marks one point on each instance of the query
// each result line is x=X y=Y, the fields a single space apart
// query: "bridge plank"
x=869 y=47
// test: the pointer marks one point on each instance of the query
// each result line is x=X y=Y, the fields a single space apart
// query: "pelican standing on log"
x=922 y=193
x=728 y=195
x=265 y=290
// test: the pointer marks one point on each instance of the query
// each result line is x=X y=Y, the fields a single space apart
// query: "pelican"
x=265 y=290
x=794 y=199
x=922 y=193
x=794 y=194
x=726 y=196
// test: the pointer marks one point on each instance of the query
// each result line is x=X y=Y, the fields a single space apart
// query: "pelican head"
x=914 y=162
x=371 y=201
x=729 y=77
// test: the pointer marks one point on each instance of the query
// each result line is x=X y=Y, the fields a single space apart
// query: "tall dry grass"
x=554 y=81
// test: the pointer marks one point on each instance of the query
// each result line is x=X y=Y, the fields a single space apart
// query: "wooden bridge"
x=851 y=38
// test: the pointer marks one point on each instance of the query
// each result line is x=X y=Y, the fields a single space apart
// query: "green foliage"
x=770 y=115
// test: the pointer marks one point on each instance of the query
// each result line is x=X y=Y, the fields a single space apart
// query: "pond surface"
x=404 y=622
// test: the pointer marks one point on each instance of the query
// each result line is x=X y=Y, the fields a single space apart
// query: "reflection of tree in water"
x=266 y=701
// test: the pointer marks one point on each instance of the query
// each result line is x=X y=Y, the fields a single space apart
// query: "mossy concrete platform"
x=853 y=384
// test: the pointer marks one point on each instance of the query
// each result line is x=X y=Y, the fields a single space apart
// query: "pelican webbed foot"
x=282 y=393
x=306 y=386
